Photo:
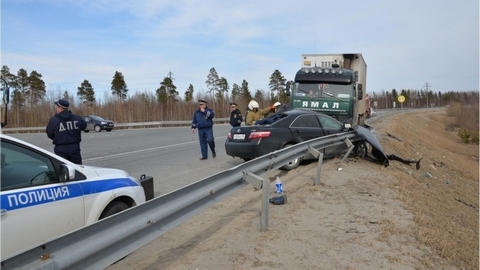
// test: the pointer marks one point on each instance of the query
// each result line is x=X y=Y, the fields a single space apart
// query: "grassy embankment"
x=444 y=194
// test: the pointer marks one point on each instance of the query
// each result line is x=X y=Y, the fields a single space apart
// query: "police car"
x=44 y=196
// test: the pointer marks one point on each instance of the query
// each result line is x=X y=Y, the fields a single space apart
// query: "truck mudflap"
x=147 y=184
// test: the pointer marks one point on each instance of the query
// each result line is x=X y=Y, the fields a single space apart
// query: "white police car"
x=44 y=196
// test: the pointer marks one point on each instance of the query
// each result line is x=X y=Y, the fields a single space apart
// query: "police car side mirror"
x=67 y=172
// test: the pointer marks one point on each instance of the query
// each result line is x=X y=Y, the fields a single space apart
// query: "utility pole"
x=426 y=87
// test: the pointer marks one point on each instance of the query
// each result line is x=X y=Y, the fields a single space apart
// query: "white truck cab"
x=44 y=196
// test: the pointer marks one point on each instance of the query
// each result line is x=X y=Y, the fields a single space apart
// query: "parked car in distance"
x=97 y=123
x=44 y=196
x=284 y=129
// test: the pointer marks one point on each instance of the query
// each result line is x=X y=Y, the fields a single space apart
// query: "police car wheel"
x=97 y=128
x=113 y=208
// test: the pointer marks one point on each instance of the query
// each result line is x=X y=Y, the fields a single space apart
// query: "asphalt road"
x=170 y=155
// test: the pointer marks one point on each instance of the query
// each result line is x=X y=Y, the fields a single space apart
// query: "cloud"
x=405 y=44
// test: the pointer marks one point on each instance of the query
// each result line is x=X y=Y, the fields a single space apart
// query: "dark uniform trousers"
x=205 y=135
x=70 y=152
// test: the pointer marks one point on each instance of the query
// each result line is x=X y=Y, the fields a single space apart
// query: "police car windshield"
x=323 y=90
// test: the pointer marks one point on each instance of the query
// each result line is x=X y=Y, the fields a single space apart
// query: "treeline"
x=422 y=98
x=31 y=105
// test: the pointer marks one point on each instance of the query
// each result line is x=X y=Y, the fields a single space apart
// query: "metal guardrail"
x=99 y=245
x=122 y=125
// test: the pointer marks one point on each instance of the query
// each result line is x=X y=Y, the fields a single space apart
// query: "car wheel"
x=108 y=130
x=97 y=128
x=113 y=208
x=360 y=149
x=292 y=164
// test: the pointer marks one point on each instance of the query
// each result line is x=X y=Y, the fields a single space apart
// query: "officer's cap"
x=201 y=101
x=233 y=104
x=62 y=103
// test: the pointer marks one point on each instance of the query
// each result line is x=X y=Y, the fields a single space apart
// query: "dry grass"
x=466 y=121
x=444 y=194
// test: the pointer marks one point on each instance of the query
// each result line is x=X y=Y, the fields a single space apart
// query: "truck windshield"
x=323 y=90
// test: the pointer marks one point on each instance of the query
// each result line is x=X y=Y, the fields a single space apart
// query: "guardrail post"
x=350 y=148
x=319 y=155
x=261 y=183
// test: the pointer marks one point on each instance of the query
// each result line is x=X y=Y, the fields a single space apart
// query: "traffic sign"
x=401 y=99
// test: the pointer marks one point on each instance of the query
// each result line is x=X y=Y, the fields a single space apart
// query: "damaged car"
x=290 y=127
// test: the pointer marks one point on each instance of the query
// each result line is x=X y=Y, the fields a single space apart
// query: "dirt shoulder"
x=359 y=217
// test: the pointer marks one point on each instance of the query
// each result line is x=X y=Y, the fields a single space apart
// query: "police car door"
x=35 y=206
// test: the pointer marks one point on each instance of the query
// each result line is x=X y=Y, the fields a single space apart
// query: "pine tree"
x=189 y=93
x=277 y=86
x=86 y=93
x=245 y=92
x=37 y=89
x=235 y=91
x=212 y=82
x=170 y=88
x=119 y=87
x=222 y=89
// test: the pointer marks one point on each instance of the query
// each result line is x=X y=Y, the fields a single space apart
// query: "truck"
x=333 y=84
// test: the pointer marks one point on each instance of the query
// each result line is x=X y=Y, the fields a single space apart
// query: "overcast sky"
x=405 y=43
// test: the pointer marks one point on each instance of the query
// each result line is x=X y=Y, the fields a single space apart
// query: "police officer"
x=64 y=129
x=203 y=121
x=235 y=116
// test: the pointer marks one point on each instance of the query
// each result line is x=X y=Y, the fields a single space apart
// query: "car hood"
x=377 y=150
x=106 y=172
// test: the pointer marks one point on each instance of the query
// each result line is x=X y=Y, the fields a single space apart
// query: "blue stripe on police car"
x=37 y=196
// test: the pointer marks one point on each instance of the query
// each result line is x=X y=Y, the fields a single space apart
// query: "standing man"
x=203 y=121
x=235 y=116
x=64 y=129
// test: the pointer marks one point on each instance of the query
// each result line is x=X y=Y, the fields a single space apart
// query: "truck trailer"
x=334 y=84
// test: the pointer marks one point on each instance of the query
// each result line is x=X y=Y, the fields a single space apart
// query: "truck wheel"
x=292 y=164
x=97 y=128
x=360 y=149
x=113 y=208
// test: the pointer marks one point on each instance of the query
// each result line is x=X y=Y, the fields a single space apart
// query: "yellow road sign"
x=401 y=99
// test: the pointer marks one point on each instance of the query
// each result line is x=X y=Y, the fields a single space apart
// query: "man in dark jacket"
x=235 y=116
x=203 y=121
x=64 y=129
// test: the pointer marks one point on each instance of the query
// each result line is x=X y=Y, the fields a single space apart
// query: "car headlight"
x=103 y=123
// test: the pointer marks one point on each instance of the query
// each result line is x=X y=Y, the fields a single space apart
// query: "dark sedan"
x=97 y=123
x=285 y=129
